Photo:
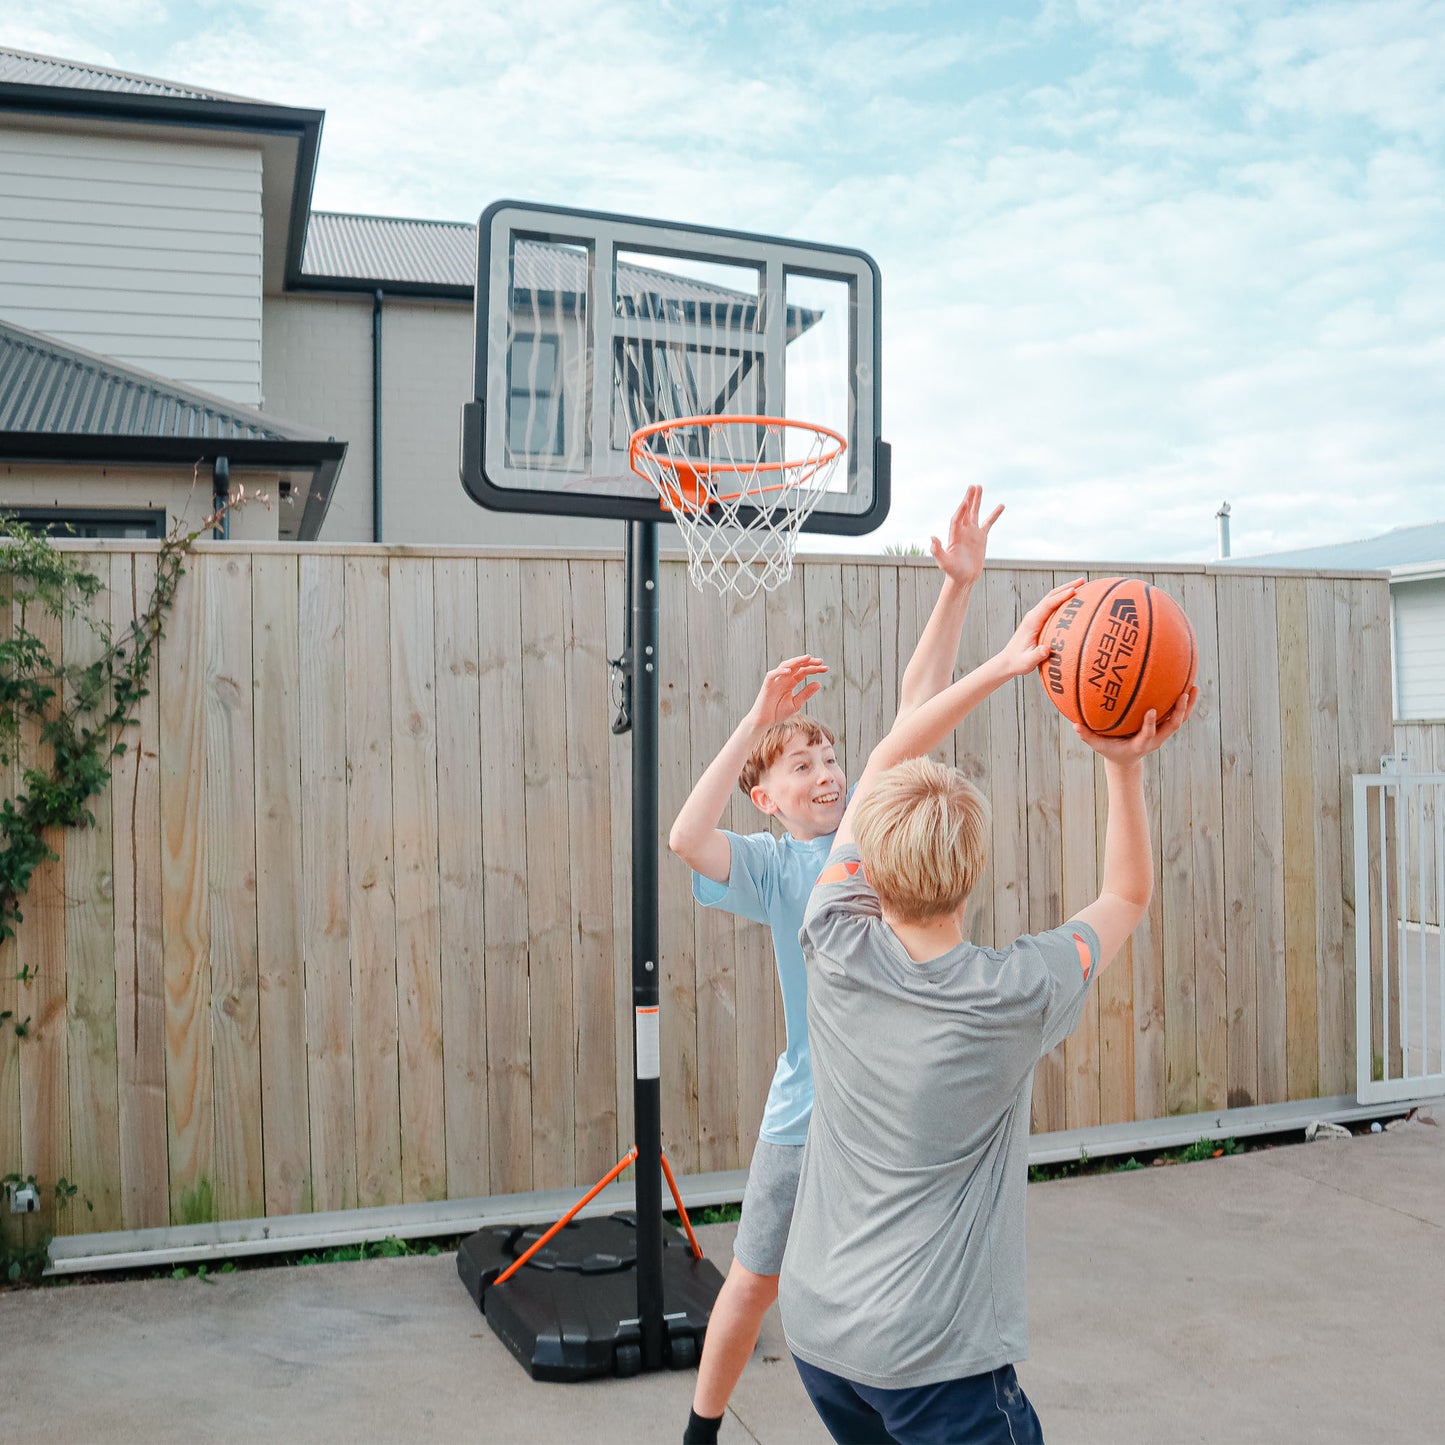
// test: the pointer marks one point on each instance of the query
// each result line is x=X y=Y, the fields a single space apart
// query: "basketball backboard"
x=590 y=325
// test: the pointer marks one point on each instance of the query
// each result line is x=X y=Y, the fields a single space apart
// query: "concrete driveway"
x=1287 y=1295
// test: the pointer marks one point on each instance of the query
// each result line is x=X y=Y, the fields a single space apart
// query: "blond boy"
x=903 y=1286
x=786 y=764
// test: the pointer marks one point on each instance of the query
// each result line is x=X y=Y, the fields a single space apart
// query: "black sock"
x=701 y=1429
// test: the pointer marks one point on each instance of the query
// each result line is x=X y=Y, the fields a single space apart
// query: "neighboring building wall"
x=317 y=360
x=1419 y=609
x=146 y=251
x=318 y=370
x=176 y=489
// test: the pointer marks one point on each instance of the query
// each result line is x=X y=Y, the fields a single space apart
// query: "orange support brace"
x=677 y=1200
x=627 y=1159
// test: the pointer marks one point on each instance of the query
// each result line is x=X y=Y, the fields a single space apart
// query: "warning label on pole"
x=649 y=1047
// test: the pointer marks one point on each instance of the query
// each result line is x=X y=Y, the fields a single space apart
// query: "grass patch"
x=1193 y=1153
x=708 y=1214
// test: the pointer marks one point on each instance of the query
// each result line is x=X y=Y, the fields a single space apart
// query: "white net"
x=739 y=489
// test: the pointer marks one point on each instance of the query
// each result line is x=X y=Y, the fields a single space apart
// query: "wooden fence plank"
x=461 y=917
x=140 y=969
x=1236 y=607
x=1115 y=990
x=275 y=642
x=181 y=672
x=619 y=769
x=230 y=823
x=675 y=909
x=1181 y=1050
x=714 y=712
x=371 y=882
x=418 y=922
x=862 y=666
x=90 y=963
x=1206 y=806
x=40 y=959
x=889 y=664
x=1329 y=886
x=325 y=897
x=590 y=830
x=549 y=891
x=504 y=875
x=1146 y=965
x=1267 y=770
x=1297 y=752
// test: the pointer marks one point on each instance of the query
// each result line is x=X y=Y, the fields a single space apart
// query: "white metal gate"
x=1399 y=941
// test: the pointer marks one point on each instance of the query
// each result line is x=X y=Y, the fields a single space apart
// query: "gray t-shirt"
x=905 y=1260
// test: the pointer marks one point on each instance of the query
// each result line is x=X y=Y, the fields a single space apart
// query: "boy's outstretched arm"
x=922 y=730
x=695 y=836
x=1128 y=881
x=960 y=559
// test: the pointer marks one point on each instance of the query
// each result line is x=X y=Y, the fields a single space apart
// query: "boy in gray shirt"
x=903 y=1287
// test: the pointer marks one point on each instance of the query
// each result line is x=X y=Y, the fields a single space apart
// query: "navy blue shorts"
x=978 y=1410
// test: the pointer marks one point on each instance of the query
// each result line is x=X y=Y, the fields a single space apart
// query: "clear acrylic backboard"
x=590 y=326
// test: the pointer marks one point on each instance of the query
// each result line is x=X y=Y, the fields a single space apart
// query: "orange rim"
x=687 y=487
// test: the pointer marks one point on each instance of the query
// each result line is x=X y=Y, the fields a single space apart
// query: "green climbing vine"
x=60 y=723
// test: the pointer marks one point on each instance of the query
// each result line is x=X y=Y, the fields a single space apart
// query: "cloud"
x=1138 y=256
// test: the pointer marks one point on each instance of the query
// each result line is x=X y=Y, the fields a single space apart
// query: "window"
x=534 y=404
x=91 y=522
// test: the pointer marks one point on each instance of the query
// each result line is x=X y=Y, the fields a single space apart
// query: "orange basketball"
x=1117 y=648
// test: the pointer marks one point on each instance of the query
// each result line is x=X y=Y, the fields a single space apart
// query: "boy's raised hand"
x=779 y=698
x=961 y=558
x=1023 y=652
x=1152 y=736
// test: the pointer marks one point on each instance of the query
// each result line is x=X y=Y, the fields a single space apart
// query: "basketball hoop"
x=739 y=488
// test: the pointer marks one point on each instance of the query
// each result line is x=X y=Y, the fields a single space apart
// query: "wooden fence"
x=353 y=925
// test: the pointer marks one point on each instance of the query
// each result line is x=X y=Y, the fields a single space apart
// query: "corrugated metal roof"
x=21 y=67
x=1402 y=547
x=49 y=386
x=444 y=253
x=381 y=248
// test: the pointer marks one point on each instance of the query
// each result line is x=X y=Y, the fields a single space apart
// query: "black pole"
x=642 y=579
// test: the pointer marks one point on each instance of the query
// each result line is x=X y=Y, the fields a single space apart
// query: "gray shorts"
x=768 y=1200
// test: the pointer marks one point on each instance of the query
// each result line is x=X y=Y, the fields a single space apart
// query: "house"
x=1415 y=559
x=157 y=244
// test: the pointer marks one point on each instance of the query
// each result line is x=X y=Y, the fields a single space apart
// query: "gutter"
x=376 y=513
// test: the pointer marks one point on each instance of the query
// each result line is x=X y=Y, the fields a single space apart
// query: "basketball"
x=1117 y=648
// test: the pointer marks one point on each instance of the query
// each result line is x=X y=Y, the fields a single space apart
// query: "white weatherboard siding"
x=146 y=251
x=1419 y=648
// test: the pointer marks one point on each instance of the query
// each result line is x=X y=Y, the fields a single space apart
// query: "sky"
x=1139 y=257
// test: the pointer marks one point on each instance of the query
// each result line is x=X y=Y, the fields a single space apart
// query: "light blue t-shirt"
x=769 y=881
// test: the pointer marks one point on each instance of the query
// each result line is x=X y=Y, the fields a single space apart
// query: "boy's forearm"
x=703 y=810
x=1128 y=855
x=930 y=669
x=923 y=729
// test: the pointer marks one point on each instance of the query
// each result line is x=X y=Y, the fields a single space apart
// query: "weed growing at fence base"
x=1189 y=1154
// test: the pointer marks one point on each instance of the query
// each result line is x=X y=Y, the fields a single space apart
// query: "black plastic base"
x=570 y=1313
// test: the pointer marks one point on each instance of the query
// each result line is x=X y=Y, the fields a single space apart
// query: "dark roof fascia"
x=107 y=448
x=322 y=458
x=304 y=126
x=353 y=285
